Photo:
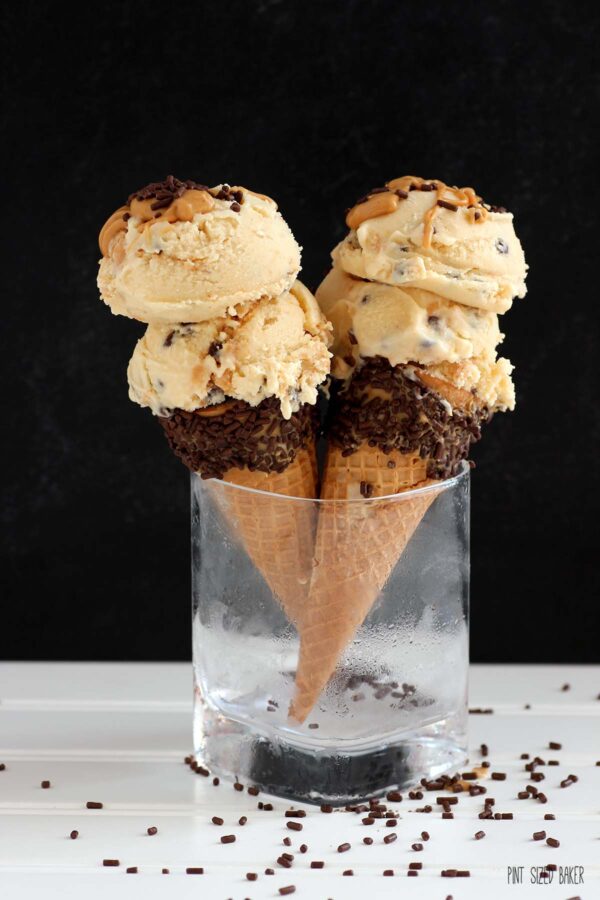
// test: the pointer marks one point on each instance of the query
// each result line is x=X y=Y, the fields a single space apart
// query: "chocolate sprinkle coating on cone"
x=384 y=407
x=236 y=435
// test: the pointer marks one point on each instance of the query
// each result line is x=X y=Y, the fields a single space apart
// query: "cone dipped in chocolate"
x=257 y=449
x=413 y=296
x=387 y=429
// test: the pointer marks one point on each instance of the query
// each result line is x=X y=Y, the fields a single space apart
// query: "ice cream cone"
x=277 y=535
x=357 y=547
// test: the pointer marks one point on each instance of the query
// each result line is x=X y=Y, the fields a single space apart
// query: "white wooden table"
x=117 y=734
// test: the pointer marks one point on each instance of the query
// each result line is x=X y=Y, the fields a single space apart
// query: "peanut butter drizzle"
x=183 y=209
x=383 y=203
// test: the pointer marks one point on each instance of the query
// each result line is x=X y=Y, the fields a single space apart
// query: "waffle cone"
x=356 y=549
x=277 y=536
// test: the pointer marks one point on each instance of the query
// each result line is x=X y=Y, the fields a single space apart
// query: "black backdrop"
x=313 y=104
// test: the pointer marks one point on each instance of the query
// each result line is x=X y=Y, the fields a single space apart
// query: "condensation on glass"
x=330 y=638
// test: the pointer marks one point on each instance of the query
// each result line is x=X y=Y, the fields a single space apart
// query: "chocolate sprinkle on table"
x=74 y=835
x=152 y=830
x=289 y=889
x=390 y=838
x=253 y=791
x=91 y=804
x=288 y=842
x=388 y=872
x=228 y=839
x=295 y=813
x=368 y=841
x=343 y=848
x=194 y=870
x=552 y=842
x=217 y=820
x=132 y=870
x=294 y=826
x=242 y=820
x=317 y=864
x=269 y=871
x=539 y=835
x=45 y=784
x=251 y=876
x=348 y=872
x=111 y=862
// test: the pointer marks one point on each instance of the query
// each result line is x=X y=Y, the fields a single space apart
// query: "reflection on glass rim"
x=437 y=486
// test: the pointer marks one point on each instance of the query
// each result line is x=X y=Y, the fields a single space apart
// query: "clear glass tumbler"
x=330 y=638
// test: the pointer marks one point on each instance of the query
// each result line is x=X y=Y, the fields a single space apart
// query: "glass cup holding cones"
x=330 y=637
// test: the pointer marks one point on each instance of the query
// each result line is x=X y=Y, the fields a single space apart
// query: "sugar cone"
x=277 y=535
x=235 y=442
x=357 y=546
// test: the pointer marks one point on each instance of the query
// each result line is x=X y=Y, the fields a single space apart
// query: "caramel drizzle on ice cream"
x=383 y=201
x=170 y=201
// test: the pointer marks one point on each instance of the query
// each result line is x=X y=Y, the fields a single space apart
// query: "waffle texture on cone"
x=278 y=536
x=357 y=546
x=256 y=448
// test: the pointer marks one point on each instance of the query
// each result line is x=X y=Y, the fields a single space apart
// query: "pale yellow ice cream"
x=202 y=254
x=466 y=253
x=277 y=348
x=402 y=325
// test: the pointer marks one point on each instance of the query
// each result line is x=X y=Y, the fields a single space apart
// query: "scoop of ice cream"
x=278 y=348
x=401 y=324
x=182 y=252
x=424 y=234
x=485 y=378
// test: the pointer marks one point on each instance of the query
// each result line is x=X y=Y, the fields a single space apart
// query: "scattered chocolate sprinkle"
x=391 y=823
x=390 y=838
x=477 y=710
x=237 y=786
x=132 y=870
x=368 y=841
x=194 y=870
x=45 y=784
x=242 y=820
x=326 y=808
x=394 y=796
x=74 y=835
x=479 y=835
x=216 y=781
x=251 y=876
x=552 y=842
x=269 y=871
x=111 y=862
x=415 y=865
x=284 y=863
x=165 y=871
x=566 y=687
x=167 y=343
x=553 y=762
x=2 y=767
x=295 y=813
x=549 y=816
x=217 y=820
x=388 y=872
x=267 y=807
x=313 y=725
x=91 y=804
x=253 y=791
x=289 y=889
x=498 y=776
x=348 y=872
x=425 y=835
x=288 y=842
x=417 y=847
x=412 y=873
x=568 y=781
x=343 y=848
x=152 y=830
x=294 y=826
x=228 y=838
x=538 y=835
x=303 y=848
x=447 y=815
